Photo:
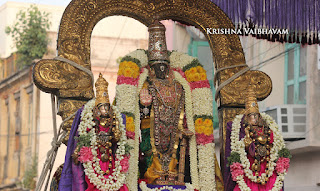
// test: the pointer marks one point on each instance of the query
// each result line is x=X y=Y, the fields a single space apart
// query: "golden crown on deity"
x=251 y=101
x=157 y=50
x=102 y=95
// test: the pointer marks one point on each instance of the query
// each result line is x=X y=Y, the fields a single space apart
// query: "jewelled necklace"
x=164 y=130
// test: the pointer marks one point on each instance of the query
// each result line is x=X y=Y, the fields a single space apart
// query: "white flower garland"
x=239 y=147
x=133 y=161
x=203 y=101
x=177 y=60
x=206 y=167
x=144 y=187
x=126 y=101
x=180 y=60
x=140 y=55
x=192 y=142
x=116 y=180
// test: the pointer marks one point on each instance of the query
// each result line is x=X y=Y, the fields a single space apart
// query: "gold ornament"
x=251 y=102
x=102 y=95
x=157 y=51
x=262 y=139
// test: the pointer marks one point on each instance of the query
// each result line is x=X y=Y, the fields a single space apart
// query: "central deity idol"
x=163 y=130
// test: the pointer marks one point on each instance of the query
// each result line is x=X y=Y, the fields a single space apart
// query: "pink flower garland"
x=85 y=154
x=282 y=165
x=236 y=170
x=127 y=80
x=203 y=139
x=130 y=134
x=200 y=84
x=125 y=163
x=180 y=72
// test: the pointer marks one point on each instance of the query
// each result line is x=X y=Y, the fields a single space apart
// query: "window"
x=17 y=123
x=6 y=158
x=17 y=148
x=295 y=74
x=29 y=91
x=202 y=51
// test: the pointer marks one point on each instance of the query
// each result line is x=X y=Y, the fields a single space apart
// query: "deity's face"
x=161 y=70
x=104 y=109
x=253 y=118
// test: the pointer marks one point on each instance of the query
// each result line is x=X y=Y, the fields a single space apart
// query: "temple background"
x=25 y=111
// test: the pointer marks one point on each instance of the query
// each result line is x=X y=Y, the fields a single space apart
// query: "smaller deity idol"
x=257 y=133
x=99 y=160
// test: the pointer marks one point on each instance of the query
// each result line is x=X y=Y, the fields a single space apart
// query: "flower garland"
x=192 y=142
x=207 y=166
x=92 y=167
x=196 y=93
x=238 y=148
x=144 y=187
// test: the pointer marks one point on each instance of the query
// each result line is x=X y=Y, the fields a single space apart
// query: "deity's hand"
x=145 y=97
x=117 y=134
x=187 y=133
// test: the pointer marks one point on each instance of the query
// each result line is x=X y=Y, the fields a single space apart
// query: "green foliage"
x=194 y=63
x=83 y=140
x=204 y=117
x=285 y=153
x=29 y=33
x=30 y=174
x=127 y=148
x=234 y=157
x=129 y=58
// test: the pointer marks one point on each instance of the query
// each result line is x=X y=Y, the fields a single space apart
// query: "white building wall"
x=112 y=37
x=303 y=173
x=305 y=163
x=259 y=51
x=115 y=26
x=46 y=133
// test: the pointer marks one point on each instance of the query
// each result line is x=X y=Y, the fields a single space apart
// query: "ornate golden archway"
x=73 y=87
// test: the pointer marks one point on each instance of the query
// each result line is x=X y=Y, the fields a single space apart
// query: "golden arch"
x=74 y=87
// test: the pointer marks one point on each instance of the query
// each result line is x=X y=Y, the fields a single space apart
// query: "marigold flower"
x=135 y=74
x=187 y=73
x=193 y=70
x=198 y=122
x=127 y=72
x=200 y=69
x=120 y=72
x=130 y=127
x=200 y=129
x=196 y=77
x=124 y=64
x=129 y=120
x=208 y=131
x=189 y=78
x=207 y=123
x=203 y=76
